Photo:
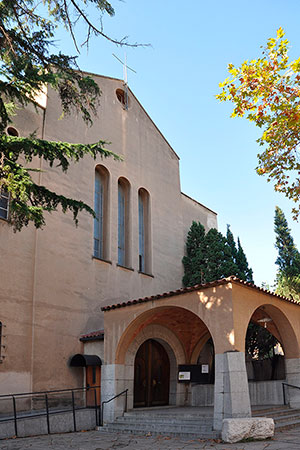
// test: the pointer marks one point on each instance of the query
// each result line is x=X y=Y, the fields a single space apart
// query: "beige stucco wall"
x=16 y=308
x=95 y=347
x=213 y=306
x=191 y=209
x=17 y=275
x=225 y=310
x=51 y=280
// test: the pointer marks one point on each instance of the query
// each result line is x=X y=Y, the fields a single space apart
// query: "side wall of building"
x=17 y=275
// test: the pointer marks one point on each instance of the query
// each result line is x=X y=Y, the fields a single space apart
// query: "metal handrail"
x=289 y=385
x=111 y=399
x=48 y=392
x=48 y=412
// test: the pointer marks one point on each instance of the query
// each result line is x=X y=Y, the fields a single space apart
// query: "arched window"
x=4 y=204
x=101 y=210
x=144 y=231
x=123 y=222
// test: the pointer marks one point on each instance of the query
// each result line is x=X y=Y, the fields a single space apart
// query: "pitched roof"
x=198 y=203
x=93 y=336
x=142 y=107
x=198 y=287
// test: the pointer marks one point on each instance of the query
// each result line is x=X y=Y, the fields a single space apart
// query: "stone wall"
x=59 y=423
x=261 y=393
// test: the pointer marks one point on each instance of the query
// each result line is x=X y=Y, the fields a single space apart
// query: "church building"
x=103 y=303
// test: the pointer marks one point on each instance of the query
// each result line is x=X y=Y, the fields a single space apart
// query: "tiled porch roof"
x=198 y=287
x=93 y=336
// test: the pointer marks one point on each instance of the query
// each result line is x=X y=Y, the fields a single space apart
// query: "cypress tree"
x=231 y=242
x=220 y=262
x=211 y=256
x=194 y=261
x=288 y=286
x=288 y=258
x=244 y=271
x=241 y=269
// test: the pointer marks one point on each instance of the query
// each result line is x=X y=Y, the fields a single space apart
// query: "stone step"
x=257 y=410
x=161 y=426
x=165 y=423
x=182 y=434
x=177 y=416
x=167 y=419
x=275 y=412
x=286 y=418
x=286 y=425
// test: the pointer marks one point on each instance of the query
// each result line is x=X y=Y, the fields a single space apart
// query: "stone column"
x=292 y=369
x=231 y=388
x=115 y=379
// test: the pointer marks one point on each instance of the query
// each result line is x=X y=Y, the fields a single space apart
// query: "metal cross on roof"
x=125 y=67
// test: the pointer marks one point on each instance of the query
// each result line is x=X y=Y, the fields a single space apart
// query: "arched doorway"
x=151 y=375
x=206 y=360
x=270 y=345
x=264 y=349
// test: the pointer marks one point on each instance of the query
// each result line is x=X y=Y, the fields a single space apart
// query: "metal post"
x=99 y=414
x=73 y=408
x=102 y=413
x=125 y=409
x=95 y=398
x=284 y=399
x=47 y=413
x=15 y=416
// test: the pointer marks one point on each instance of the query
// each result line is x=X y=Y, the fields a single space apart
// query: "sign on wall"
x=193 y=373
x=204 y=368
x=184 y=376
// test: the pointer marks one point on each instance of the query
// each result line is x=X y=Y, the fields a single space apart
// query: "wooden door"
x=151 y=375
x=93 y=378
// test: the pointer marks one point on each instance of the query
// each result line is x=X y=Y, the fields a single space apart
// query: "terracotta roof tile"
x=92 y=336
x=198 y=287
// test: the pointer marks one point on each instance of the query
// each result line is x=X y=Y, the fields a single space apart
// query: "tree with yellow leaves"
x=267 y=92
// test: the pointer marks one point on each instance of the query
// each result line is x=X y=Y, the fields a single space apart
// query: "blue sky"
x=176 y=82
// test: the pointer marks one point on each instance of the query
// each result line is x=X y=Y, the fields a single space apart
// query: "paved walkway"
x=95 y=440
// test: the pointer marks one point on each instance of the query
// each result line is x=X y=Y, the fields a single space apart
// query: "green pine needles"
x=27 y=65
x=211 y=256
x=28 y=199
x=288 y=260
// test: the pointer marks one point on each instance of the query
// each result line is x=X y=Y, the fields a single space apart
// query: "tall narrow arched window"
x=123 y=222
x=141 y=234
x=101 y=210
x=144 y=231
x=4 y=203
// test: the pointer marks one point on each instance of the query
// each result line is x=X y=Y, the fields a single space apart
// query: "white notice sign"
x=204 y=368
x=184 y=376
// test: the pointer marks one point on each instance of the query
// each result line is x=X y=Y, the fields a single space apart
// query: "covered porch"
x=159 y=348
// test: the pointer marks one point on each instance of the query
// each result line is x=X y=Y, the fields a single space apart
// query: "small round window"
x=122 y=96
x=11 y=131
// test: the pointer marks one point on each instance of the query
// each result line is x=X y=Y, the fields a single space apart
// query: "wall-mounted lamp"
x=265 y=320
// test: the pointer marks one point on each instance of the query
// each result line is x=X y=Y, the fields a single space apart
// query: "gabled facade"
x=55 y=281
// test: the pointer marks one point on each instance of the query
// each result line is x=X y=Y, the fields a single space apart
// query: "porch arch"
x=286 y=332
x=163 y=335
x=199 y=347
x=180 y=327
